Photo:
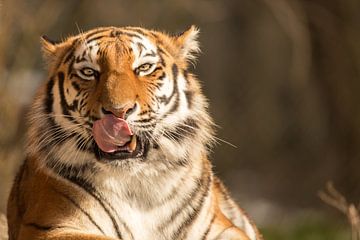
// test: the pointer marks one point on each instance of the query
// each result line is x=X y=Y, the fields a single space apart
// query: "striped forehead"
x=142 y=49
x=87 y=53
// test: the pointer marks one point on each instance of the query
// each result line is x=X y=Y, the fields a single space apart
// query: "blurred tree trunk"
x=336 y=37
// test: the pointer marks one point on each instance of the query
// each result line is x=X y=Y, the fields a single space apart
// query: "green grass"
x=308 y=230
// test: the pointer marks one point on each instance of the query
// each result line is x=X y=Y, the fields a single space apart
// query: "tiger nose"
x=120 y=111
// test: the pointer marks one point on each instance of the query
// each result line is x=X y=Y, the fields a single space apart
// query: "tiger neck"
x=144 y=184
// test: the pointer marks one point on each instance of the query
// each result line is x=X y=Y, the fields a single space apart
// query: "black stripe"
x=75 y=86
x=81 y=209
x=144 y=113
x=103 y=202
x=39 y=227
x=92 y=191
x=47 y=39
x=96 y=32
x=117 y=33
x=176 y=189
x=189 y=98
x=18 y=180
x=64 y=105
x=80 y=59
x=154 y=34
x=186 y=76
x=57 y=138
x=164 y=99
x=175 y=72
x=70 y=170
x=88 y=41
x=162 y=76
x=160 y=53
x=132 y=35
x=208 y=228
x=138 y=30
x=52 y=127
x=151 y=54
x=82 y=143
x=58 y=135
x=201 y=186
x=70 y=66
x=49 y=96
x=174 y=107
x=183 y=228
x=145 y=120
x=70 y=53
x=160 y=81
x=66 y=57
x=141 y=47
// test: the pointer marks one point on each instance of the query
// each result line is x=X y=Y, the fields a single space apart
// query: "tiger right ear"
x=188 y=43
x=48 y=48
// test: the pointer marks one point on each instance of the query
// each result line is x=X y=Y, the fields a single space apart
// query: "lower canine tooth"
x=132 y=144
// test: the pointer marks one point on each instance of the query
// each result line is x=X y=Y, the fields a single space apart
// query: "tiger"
x=117 y=145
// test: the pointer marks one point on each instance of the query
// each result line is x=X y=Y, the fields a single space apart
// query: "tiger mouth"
x=115 y=140
x=136 y=147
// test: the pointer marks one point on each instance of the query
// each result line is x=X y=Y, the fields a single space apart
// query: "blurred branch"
x=335 y=199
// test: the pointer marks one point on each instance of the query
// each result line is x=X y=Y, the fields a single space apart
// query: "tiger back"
x=117 y=145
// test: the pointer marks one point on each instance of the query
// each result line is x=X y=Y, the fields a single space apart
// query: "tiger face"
x=116 y=95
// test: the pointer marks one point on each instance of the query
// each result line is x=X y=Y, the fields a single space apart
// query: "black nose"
x=122 y=111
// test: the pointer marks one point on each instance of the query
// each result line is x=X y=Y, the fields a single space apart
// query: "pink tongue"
x=111 y=132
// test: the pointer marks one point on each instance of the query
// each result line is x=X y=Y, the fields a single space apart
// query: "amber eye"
x=88 y=72
x=144 y=67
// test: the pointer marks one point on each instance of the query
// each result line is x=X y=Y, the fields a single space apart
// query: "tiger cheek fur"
x=133 y=83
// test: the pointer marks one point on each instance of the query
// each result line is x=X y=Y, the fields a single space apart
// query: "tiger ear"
x=188 y=43
x=49 y=48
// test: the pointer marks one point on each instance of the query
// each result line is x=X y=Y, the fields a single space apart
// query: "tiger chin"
x=117 y=145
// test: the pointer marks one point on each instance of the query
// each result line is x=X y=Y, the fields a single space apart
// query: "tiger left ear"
x=48 y=48
x=188 y=43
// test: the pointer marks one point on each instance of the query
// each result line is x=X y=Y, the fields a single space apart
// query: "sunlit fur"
x=65 y=190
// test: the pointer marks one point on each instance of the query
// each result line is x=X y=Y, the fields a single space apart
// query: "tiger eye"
x=144 y=67
x=87 y=72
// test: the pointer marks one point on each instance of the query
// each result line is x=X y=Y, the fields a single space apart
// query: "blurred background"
x=282 y=77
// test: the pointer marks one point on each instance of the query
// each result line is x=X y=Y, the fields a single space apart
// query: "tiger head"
x=117 y=96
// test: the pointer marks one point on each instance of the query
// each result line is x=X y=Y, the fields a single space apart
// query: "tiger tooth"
x=132 y=144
